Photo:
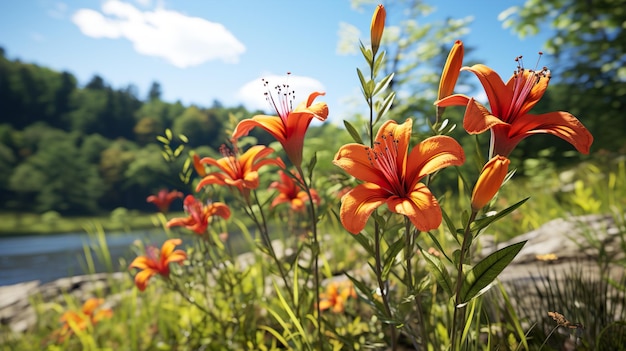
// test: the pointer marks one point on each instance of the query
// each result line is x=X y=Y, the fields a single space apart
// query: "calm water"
x=51 y=257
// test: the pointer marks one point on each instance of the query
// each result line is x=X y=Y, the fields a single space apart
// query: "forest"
x=84 y=150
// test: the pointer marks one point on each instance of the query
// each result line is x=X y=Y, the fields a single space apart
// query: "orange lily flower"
x=489 y=181
x=239 y=171
x=164 y=198
x=290 y=126
x=510 y=103
x=290 y=193
x=336 y=296
x=156 y=262
x=377 y=26
x=392 y=175
x=78 y=321
x=199 y=214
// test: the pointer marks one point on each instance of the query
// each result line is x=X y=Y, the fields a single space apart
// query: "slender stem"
x=548 y=337
x=262 y=225
x=315 y=248
x=381 y=284
x=459 y=281
x=409 y=248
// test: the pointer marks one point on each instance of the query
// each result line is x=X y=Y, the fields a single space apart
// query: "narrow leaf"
x=353 y=132
x=482 y=223
x=487 y=270
x=438 y=269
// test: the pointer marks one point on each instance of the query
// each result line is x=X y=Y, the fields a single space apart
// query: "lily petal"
x=141 y=278
x=355 y=160
x=561 y=124
x=358 y=204
x=478 y=119
x=498 y=94
x=141 y=262
x=168 y=246
x=433 y=154
x=421 y=207
x=272 y=124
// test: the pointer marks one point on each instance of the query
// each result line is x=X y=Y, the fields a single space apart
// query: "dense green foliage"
x=82 y=150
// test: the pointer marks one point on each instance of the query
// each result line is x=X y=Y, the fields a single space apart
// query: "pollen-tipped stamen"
x=383 y=156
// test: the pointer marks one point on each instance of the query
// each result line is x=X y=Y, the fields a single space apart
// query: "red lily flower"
x=156 y=262
x=290 y=126
x=510 y=103
x=199 y=214
x=164 y=198
x=392 y=175
x=239 y=171
x=290 y=193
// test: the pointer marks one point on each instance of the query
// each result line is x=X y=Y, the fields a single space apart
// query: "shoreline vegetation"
x=13 y=224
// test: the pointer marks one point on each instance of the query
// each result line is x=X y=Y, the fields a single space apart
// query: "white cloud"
x=252 y=94
x=182 y=40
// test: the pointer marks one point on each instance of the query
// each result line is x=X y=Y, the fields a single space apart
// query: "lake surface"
x=50 y=257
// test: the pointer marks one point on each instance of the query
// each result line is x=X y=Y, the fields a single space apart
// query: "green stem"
x=262 y=225
x=459 y=282
x=409 y=248
x=315 y=248
x=381 y=284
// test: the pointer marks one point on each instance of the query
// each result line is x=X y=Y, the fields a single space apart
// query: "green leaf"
x=386 y=105
x=353 y=132
x=364 y=84
x=449 y=224
x=382 y=84
x=487 y=270
x=183 y=138
x=163 y=140
x=379 y=61
x=365 y=243
x=438 y=269
x=168 y=134
x=482 y=223
x=392 y=253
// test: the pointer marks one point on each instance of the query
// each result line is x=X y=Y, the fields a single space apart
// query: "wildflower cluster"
x=393 y=212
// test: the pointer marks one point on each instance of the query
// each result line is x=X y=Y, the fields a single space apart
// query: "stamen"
x=384 y=156
x=283 y=102
x=230 y=155
x=523 y=83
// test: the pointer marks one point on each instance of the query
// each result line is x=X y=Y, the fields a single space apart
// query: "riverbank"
x=51 y=223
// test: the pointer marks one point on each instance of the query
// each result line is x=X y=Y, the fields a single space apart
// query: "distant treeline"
x=82 y=150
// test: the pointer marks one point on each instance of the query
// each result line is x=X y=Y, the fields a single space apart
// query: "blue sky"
x=201 y=51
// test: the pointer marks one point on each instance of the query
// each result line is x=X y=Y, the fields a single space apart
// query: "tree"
x=200 y=127
x=155 y=91
x=57 y=178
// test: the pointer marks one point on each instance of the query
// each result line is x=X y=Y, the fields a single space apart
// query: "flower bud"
x=377 y=27
x=199 y=166
x=489 y=181
x=451 y=70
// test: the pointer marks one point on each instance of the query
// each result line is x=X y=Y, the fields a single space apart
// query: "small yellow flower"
x=377 y=27
x=489 y=181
